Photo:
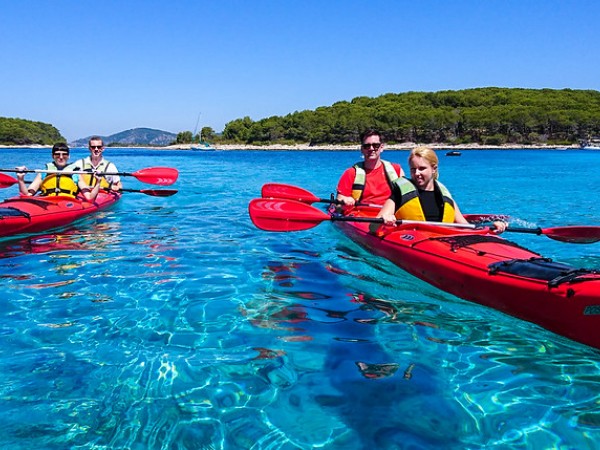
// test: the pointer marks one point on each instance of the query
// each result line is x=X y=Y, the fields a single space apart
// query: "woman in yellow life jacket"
x=423 y=197
x=54 y=182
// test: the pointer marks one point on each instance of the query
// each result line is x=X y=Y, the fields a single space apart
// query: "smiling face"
x=371 y=148
x=422 y=172
x=61 y=158
x=96 y=148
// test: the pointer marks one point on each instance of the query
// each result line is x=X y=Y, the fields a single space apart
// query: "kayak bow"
x=34 y=214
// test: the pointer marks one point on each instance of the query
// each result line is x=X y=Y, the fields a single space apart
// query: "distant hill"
x=134 y=137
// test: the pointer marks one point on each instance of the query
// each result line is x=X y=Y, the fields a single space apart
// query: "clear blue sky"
x=104 y=66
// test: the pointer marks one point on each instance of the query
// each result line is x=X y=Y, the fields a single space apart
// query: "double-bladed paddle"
x=162 y=176
x=290 y=192
x=292 y=215
x=7 y=181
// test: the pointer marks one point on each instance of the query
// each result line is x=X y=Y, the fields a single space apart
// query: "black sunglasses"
x=368 y=146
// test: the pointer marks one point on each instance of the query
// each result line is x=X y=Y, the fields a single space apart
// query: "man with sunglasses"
x=368 y=181
x=95 y=163
x=54 y=182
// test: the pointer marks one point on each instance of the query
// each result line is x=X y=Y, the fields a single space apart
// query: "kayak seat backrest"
x=541 y=269
x=12 y=212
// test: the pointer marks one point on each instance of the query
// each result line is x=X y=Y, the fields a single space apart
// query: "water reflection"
x=371 y=389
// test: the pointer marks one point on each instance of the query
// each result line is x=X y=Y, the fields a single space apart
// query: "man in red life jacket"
x=368 y=181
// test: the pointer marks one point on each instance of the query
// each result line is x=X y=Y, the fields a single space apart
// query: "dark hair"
x=60 y=147
x=369 y=133
x=96 y=138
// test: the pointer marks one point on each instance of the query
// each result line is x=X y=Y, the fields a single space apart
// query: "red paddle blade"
x=7 y=181
x=284 y=215
x=278 y=190
x=162 y=176
x=574 y=234
x=153 y=192
x=159 y=192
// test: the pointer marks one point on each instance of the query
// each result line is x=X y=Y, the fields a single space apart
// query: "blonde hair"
x=428 y=155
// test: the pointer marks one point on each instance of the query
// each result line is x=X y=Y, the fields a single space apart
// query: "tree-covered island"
x=484 y=116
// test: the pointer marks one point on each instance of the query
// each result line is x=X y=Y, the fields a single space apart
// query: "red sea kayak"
x=34 y=214
x=481 y=267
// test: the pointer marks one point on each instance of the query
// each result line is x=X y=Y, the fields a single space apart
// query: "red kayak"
x=481 y=267
x=34 y=214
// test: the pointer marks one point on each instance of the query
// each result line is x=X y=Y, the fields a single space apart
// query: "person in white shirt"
x=96 y=163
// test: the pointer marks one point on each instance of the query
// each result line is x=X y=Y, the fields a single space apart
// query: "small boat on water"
x=453 y=153
x=591 y=144
x=202 y=147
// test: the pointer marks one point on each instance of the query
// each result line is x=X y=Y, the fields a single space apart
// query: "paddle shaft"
x=538 y=230
x=7 y=181
x=573 y=235
x=292 y=215
x=402 y=222
x=290 y=192
x=151 y=192
x=65 y=172
x=162 y=176
x=339 y=202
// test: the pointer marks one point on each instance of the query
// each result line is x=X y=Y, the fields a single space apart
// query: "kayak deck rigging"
x=545 y=269
x=457 y=241
x=9 y=211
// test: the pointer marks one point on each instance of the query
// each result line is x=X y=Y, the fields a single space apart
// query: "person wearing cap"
x=370 y=180
x=96 y=163
x=54 y=182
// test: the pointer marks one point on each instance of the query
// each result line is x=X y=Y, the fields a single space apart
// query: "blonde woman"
x=423 y=197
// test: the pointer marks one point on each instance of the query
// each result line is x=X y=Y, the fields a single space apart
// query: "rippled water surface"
x=174 y=323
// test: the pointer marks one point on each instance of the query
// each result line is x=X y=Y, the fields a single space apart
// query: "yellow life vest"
x=90 y=180
x=58 y=184
x=410 y=207
x=360 y=177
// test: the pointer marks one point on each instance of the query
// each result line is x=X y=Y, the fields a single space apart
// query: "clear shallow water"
x=174 y=323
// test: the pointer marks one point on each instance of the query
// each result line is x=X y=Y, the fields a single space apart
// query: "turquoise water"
x=174 y=323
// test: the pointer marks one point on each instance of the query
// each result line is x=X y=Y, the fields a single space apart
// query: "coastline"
x=404 y=146
x=306 y=147
x=355 y=147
